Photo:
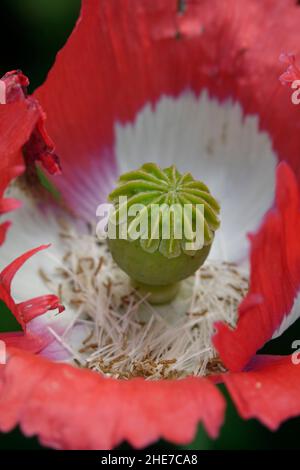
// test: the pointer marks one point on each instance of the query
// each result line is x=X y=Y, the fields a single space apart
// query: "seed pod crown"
x=159 y=190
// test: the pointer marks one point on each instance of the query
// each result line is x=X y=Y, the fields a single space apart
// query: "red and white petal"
x=26 y=312
x=8 y=173
x=6 y=278
x=21 y=130
x=103 y=76
x=3 y=231
x=115 y=63
x=274 y=279
x=35 y=224
x=71 y=408
x=50 y=335
x=268 y=391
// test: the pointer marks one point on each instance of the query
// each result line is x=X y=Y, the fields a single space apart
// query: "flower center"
x=161 y=228
x=127 y=336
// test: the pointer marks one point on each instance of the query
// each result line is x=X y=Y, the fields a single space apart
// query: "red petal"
x=38 y=147
x=21 y=128
x=7 y=205
x=116 y=61
x=292 y=73
x=71 y=408
x=8 y=273
x=16 y=124
x=3 y=230
x=17 y=121
x=274 y=279
x=25 y=311
x=35 y=307
x=270 y=391
x=15 y=86
x=27 y=342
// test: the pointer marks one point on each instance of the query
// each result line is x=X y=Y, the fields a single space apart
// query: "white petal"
x=56 y=328
x=30 y=228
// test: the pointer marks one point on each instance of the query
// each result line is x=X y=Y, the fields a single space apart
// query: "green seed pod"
x=162 y=228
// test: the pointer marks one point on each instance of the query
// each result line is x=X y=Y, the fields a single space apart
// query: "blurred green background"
x=32 y=31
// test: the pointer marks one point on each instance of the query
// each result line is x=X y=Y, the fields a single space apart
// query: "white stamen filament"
x=128 y=336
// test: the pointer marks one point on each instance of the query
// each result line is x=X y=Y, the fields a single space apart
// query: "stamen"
x=130 y=337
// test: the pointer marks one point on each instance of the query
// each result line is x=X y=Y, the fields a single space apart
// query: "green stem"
x=158 y=294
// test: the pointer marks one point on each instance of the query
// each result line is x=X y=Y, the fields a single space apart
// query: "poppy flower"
x=185 y=82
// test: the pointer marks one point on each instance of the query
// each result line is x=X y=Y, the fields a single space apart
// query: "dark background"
x=31 y=33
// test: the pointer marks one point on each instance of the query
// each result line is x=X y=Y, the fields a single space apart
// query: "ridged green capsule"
x=157 y=214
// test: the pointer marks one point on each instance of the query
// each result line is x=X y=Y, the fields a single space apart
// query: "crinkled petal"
x=269 y=391
x=292 y=73
x=17 y=122
x=7 y=174
x=38 y=147
x=35 y=307
x=274 y=280
x=70 y=408
x=47 y=329
x=113 y=64
x=14 y=85
x=8 y=273
x=26 y=311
